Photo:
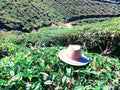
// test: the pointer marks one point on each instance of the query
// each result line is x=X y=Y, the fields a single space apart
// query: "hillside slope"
x=29 y=15
x=26 y=15
x=83 y=9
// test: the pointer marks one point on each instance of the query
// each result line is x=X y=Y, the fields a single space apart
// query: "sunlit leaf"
x=79 y=88
x=35 y=86
x=44 y=75
x=2 y=81
x=105 y=88
x=68 y=71
x=48 y=82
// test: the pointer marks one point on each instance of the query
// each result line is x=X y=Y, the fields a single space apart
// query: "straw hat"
x=73 y=56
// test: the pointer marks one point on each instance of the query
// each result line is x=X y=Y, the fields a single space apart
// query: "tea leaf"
x=105 y=88
x=2 y=81
x=48 y=82
x=12 y=73
x=35 y=86
x=68 y=71
x=79 y=88
x=44 y=75
x=64 y=79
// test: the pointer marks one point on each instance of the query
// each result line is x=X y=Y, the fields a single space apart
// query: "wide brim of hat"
x=81 y=62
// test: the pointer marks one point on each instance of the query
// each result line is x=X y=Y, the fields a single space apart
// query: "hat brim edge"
x=63 y=57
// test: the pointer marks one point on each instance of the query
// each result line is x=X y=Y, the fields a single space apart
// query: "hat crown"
x=75 y=47
x=74 y=52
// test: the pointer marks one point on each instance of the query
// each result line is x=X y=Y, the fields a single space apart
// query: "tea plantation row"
x=98 y=35
x=26 y=16
x=31 y=15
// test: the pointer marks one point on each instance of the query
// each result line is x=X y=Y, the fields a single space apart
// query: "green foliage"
x=89 y=36
x=82 y=8
x=32 y=15
x=38 y=68
x=30 y=64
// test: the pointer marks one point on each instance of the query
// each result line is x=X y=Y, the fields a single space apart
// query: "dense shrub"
x=92 y=41
x=31 y=64
x=90 y=36
x=40 y=68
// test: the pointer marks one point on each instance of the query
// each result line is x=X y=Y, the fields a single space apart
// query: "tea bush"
x=100 y=36
x=40 y=68
x=26 y=61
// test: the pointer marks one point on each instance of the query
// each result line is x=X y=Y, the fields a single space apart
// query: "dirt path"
x=69 y=25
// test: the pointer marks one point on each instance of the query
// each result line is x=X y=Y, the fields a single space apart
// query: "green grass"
x=112 y=26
